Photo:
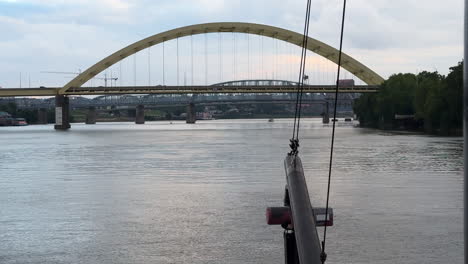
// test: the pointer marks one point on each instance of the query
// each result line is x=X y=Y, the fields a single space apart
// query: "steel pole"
x=307 y=239
x=465 y=134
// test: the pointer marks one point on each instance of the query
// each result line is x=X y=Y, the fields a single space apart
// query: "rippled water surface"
x=178 y=193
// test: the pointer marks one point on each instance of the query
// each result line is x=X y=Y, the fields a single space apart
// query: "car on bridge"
x=346 y=83
x=19 y=122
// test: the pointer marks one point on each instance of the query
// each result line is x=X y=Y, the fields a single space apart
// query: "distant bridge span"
x=199 y=89
x=318 y=47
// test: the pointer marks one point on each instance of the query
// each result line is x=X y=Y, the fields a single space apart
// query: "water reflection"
x=175 y=193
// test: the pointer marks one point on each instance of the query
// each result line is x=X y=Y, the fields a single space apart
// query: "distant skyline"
x=58 y=35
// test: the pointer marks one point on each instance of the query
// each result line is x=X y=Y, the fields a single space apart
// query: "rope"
x=323 y=255
x=294 y=141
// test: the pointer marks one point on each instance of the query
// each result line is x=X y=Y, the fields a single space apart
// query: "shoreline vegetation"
x=427 y=102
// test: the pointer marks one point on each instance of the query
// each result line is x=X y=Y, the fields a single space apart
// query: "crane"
x=79 y=72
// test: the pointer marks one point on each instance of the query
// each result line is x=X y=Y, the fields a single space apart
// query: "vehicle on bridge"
x=346 y=83
x=19 y=122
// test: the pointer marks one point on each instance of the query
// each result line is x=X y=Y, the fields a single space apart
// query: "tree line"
x=31 y=115
x=428 y=101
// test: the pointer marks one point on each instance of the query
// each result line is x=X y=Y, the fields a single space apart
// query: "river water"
x=179 y=193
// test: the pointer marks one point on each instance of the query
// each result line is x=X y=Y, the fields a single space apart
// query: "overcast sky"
x=67 y=35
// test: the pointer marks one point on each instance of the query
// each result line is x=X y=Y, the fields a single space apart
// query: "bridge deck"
x=162 y=89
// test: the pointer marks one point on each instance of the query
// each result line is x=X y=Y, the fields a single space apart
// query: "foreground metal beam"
x=184 y=90
x=307 y=240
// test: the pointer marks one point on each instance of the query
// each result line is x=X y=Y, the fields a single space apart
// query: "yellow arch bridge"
x=74 y=87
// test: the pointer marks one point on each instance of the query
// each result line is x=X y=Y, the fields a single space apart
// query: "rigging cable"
x=294 y=141
x=323 y=256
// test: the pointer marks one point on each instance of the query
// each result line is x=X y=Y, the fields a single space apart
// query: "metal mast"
x=465 y=133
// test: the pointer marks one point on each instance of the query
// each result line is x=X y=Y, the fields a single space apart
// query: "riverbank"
x=412 y=128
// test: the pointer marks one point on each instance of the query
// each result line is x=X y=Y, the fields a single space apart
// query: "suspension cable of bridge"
x=120 y=73
x=233 y=56
x=149 y=66
x=290 y=62
x=206 y=59
x=134 y=69
x=191 y=59
x=263 y=58
x=275 y=76
x=248 y=56
x=259 y=61
x=177 y=55
x=163 y=65
x=220 y=58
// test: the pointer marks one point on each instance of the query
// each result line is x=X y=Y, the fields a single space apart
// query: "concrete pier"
x=62 y=112
x=140 y=114
x=42 y=116
x=191 y=114
x=91 y=116
x=326 y=115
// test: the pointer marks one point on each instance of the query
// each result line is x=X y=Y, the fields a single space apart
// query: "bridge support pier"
x=326 y=115
x=140 y=114
x=191 y=114
x=91 y=116
x=62 y=112
x=42 y=116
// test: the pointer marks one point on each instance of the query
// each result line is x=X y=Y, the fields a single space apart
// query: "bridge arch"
x=353 y=66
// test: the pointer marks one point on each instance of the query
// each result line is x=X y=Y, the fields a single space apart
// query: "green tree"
x=453 y=95
x=435 y=100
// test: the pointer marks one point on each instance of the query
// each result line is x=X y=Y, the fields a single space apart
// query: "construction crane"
x=79 y=72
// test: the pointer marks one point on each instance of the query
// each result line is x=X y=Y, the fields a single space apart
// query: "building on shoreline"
x=6 y=119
